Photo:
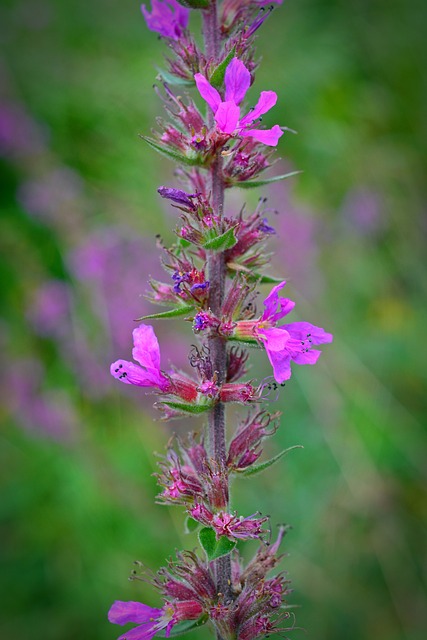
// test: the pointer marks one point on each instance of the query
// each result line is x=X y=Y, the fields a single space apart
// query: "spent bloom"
x=227 y=112
x=150 y=620
x=283 y=344
x=167 y=18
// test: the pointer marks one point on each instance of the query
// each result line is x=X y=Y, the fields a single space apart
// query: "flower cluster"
x=256 y=604
x=214 y=269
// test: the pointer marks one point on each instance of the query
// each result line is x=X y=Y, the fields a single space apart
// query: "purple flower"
x=289 y=342
x=227 y=112
x=167 y=17
x=150 y=620
x=146 y=351
x=178 y=196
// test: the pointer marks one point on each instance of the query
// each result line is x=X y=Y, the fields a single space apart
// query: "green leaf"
x=264 y=465
x=172 y=313
x=215 y=548
x=195 y=4
x=225 y=241
x=265 y=279
x=224 y=547
x=191 y=525
x=217 y=77
x=171 y=79
x=252 y=184
x=174 y=155
x=188 y=408
x=185 y=626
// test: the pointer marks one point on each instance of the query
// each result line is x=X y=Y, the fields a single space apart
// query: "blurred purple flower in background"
x=167 y=18
x=49 y=412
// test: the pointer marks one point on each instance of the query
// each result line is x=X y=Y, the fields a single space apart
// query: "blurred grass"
x=76 y=513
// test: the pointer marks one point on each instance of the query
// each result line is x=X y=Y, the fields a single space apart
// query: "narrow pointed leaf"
x=259 y=277
x=174 y=80
x=172 y=313
x=184 y=627
x=187 y=408
x=250 y=471
x=253 y=184
x=173 y=155
x=225 y=241
x=195 y=4
x=265 y=279
x=215 y=548
x=217 y=77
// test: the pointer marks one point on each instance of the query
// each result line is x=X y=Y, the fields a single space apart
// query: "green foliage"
x=173 y=155
x=262 y=466
x=222 y=242
x=213 y=547
x=253 y=184
x=184 y=627
x=217 y=77
x=172 y=313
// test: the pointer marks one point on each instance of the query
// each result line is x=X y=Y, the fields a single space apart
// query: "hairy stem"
x=216 y=274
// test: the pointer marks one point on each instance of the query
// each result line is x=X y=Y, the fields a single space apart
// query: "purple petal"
x=274 y=339
x=266 y=101
x=146 y=349
x=281 y=363
x=144 y=632
x=304 y=330
x=227 y=116
x=271 y=301
x=168 y=18
x=208 y=92
x=270 y=137
x=131 y=373
x=237 y=81
x=307 y=357
x=124 y=612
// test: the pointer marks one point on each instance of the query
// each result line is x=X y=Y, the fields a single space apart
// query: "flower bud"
x=237 y=392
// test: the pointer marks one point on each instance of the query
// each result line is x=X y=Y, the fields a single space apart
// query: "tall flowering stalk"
x=213 y=269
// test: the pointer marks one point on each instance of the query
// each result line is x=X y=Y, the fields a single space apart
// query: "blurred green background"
x=79 y=214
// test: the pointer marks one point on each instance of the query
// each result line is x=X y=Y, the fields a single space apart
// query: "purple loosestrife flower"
x=227 y=112
x=146 y=351
x=167 y=18
x=289 y=342
x=150 y=620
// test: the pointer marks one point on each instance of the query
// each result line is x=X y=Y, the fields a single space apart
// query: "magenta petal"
x=307 y=357
x=270 y=137
x=237 y=81
x=303 y=330
x=207 y=91
x=143 y=632
x=227 y=116
x=266 y=101
x=281 y=363
x=123 y=612
x=146 y=349
x=271 y=301
x=274 y=339
x=131 y=373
